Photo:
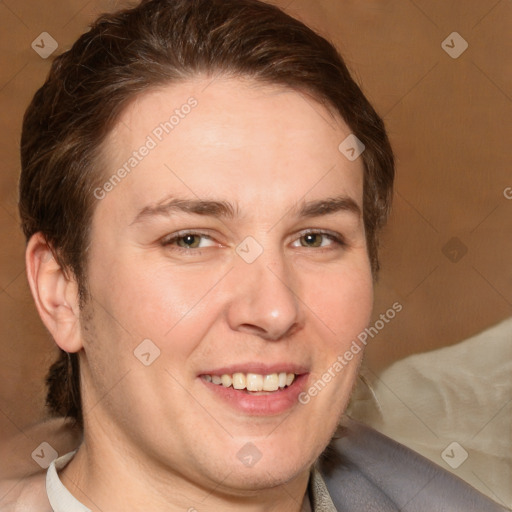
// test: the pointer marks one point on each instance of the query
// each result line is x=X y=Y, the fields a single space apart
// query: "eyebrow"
x=221 y=209
x=226 y=210
x=328 y=206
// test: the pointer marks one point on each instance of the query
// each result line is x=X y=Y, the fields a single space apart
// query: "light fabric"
x=459 y=394
x=61 y=500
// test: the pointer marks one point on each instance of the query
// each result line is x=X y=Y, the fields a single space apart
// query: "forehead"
x=260 y=144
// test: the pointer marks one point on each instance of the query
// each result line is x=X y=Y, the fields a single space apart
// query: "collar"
x=320 y=498
x=62 y=500
x=59 y=497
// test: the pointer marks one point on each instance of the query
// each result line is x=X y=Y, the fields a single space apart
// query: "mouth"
x=253 y=383
x=257 y=390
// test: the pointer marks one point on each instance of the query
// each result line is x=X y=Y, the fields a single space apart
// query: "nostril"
x=268 y=334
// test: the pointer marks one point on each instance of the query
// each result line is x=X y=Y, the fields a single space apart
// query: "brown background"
x=450 y=124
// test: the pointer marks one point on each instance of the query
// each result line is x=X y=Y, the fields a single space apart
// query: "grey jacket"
x=365 y=471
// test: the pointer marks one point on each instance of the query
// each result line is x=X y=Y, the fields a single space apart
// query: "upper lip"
x=258 y=368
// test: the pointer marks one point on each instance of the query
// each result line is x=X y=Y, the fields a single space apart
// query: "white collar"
x=59 y=497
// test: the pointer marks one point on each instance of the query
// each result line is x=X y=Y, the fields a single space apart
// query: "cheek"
x=341 y=300
x=150 y=299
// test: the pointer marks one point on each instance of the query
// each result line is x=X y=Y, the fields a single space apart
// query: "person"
x=202 y=189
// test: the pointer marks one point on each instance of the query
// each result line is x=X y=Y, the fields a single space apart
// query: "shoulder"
x=364 y=469
x=17 y=452
x=22 y=481
x=25 y=495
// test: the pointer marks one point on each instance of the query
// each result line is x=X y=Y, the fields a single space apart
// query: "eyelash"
x=339 y=240
x=171 y=239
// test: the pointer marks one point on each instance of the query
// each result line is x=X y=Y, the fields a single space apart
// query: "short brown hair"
x=163 y=42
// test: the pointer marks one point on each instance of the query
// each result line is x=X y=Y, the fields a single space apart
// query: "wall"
x=446 y=254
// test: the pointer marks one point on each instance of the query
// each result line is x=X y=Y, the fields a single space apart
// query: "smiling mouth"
x=252 y=382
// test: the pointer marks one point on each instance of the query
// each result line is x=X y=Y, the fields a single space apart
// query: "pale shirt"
x=61 y=500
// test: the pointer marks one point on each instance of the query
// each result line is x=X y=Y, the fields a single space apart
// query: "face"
x=231 y=250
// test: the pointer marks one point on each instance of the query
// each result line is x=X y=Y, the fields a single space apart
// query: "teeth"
x=253 y=381
x=226 y=380
x=271 y=382
x=239 y=381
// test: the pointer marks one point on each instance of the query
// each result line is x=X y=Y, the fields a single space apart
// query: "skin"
x=156 y=437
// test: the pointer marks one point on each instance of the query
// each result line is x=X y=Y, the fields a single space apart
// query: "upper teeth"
x=253 y=381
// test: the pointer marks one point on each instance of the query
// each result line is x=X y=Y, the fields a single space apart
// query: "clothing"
x=458 y=393
x=361 y=471
x=61 y=500
x=367 y=471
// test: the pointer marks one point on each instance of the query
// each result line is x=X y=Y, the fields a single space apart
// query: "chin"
x=259 y=465
x=266 y=475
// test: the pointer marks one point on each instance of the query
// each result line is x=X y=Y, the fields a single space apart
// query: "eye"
x=186 y=240
x=314 y=239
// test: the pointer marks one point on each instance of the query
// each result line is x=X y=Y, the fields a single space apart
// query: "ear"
x=55 y=293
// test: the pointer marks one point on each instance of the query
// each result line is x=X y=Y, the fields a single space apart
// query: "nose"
x=264 y=300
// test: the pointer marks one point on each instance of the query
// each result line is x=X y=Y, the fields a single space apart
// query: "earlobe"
x=55 y=293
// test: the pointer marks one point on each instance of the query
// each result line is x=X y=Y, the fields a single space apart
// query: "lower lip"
x=273 y=403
